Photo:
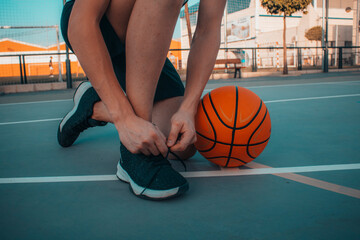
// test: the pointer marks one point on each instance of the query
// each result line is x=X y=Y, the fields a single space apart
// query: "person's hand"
x=141 y=136
x=182 y=133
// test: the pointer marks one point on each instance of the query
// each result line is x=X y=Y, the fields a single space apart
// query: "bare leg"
x=148 y=38
x=142 y=20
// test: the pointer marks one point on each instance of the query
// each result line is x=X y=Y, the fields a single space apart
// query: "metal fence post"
x=299 y=59
x=21 y=74
x=326 y=50
x=24 y=68
x=340 y=58
x=254 y=66
x=68 y=70
x=68 y=74
x=326 y=60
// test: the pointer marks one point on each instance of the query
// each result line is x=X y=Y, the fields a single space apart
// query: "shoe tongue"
x=94 y=123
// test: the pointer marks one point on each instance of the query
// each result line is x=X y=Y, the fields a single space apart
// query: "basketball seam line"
x=236 y=145
x=234 y=158
x=217 y=114
x=247 y=147
x=234 y=128
x=212 y=126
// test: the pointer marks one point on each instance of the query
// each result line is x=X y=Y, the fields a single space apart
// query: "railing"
x=37 y=68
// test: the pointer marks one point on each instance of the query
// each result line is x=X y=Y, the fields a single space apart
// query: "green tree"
x=287 y=8
x=314 y=34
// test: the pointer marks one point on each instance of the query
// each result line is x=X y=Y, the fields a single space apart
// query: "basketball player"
x=155 y=117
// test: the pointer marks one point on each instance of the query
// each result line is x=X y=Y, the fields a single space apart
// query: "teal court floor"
x=305 y=185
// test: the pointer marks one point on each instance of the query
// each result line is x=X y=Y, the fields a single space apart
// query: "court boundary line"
x=312 y=98
x=290 y=85
x=224 y=172
x=30 y=121
x=332 y=187
x=205 y=90
x=266 y=102
x=36 y=102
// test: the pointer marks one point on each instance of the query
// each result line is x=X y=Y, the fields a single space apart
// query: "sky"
x=39 y=13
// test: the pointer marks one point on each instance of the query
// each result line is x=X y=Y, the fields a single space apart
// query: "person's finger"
x=153 y=150
x=173 y=135
x=186 y=139
x=160 y=142
x=145 y=152
x=161 y=134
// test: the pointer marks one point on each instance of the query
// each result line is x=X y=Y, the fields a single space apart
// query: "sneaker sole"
x=149 y=194
x=81 y=89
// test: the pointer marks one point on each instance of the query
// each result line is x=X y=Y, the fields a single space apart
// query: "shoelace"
x=161 y=161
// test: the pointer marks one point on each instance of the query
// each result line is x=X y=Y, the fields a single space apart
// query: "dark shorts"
x=169 y=84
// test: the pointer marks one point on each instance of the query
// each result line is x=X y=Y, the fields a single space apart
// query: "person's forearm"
x=202 y=57
x=92 y=53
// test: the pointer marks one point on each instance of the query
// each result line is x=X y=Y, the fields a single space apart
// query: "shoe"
x=79 y=118
x=150 y=178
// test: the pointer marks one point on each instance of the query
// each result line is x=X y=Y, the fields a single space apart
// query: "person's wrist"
x=119 y=119
x=190 y=108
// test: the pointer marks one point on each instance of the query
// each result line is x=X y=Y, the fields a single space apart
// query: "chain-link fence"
x=251 y=40
x=38 y=68
x=43 y=68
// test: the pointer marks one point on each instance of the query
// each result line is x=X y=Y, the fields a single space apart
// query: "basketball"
x=233 y=126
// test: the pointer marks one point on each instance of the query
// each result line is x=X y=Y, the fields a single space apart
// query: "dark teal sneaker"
x=79 y=118
x=150 y=178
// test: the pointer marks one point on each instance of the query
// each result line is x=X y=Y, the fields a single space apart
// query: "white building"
x=249 y=25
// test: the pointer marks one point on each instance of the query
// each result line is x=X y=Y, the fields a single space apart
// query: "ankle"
x=100 y=112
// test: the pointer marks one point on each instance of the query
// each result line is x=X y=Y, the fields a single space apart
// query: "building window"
x=348 y=43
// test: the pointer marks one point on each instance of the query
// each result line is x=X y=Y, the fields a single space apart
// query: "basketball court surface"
x=305 y=185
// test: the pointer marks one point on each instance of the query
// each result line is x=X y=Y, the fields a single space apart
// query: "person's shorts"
x=169 y=84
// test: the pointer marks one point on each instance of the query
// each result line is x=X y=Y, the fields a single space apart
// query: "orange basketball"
x=233 y=126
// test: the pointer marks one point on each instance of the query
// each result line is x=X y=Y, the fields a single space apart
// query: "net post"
x=299 y=59
x=254 y=60
x=68 y=65
x=58 y=49
x=24 y=68
x=326 y=51
x=68 y=70
x=340 y=58
x=21 y=74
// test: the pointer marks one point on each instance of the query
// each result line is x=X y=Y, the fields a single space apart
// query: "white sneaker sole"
x=149 y=193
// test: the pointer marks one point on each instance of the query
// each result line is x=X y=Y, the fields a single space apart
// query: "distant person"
x=155 y=118
x=51 y=67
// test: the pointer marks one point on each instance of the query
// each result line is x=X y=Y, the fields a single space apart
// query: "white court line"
x=217 y=173
x=30 y=121
x=266 y=102
x=290 y=85
x=311 y=98
x=205 y=90
x=23 y=103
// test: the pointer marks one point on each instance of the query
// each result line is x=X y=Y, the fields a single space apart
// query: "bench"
x=236 y=64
